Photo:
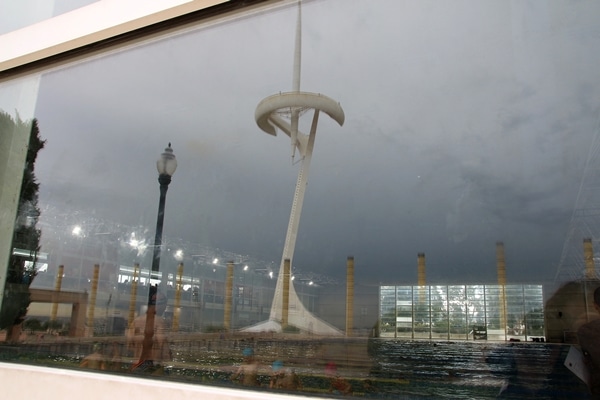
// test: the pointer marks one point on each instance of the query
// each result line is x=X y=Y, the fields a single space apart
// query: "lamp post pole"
x=166 y=166
x=163 y=180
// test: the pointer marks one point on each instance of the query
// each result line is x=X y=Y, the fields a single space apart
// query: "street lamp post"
x=166 y=166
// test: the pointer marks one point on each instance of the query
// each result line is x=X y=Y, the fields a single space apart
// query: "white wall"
x=29 y=382
x=89 y=24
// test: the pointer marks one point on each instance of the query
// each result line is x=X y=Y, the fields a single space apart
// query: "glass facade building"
x=462 y=312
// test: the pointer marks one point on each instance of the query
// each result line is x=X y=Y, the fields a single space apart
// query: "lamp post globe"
x=167 y=163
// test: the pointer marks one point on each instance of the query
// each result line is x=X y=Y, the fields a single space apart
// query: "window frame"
x=108 y=25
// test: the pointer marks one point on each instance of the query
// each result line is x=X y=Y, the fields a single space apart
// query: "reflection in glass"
x=445 y=312
x=461 y=130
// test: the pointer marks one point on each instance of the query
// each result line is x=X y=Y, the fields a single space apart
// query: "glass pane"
x=439 y=312
x=476 y=312
x=387 y=301
x=534 y=308
x=495 y=316
x=404 y=311
x=440 y=131
x=515 y=312
x=457 y=309
x=421 y=312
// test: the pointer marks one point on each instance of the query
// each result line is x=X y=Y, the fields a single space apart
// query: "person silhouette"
x=283 y=377
x=247 y=372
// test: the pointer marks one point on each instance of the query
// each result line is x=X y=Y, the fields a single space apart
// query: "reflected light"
x=137 y=244
x=76 y=230
x=245 y=268
x=215 y=260
x=178 y=255
x=271 y=274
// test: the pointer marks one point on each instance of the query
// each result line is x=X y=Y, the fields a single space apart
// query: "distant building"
x=462 y=312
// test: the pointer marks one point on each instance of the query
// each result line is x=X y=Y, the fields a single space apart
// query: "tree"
x=26 y=237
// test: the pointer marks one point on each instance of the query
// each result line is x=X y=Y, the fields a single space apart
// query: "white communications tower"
x=283 y=111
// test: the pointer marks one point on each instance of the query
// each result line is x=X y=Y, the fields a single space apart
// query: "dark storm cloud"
x=507 y=199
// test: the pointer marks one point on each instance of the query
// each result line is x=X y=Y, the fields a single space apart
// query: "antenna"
x=298 y=51
x=296 y=80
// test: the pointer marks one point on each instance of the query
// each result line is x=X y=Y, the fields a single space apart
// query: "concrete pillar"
x=421 y=281
x=501 y=267
x=92 y=305
x=500 y=263
x=349 y=295
x=285 y=306
x=228 y=296
x=421 y=276
x=77 y=325
x=57 y=286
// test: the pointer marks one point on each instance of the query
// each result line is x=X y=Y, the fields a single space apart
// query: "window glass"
x=457 y=312
x=444 y=130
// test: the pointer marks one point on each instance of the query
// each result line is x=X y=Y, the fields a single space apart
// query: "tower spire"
x=296 y=81
x=298 y=50
x=271 y=114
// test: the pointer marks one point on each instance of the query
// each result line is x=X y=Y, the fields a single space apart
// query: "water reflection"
x=350 y=367
x=366 y=367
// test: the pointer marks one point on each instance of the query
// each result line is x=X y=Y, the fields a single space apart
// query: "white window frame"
x=90 y=24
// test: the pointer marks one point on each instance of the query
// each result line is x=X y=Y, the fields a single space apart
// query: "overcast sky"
x=467 y=123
